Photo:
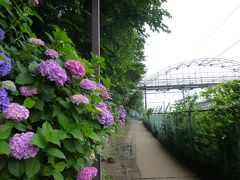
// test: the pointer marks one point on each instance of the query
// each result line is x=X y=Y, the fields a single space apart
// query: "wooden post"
x=96 y=51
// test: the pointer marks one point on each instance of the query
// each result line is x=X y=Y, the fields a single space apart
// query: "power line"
x=228 y=48
x=216 y=29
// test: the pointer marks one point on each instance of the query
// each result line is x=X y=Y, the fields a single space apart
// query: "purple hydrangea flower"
x=106 y=116
x=4 y=101
x=102 y=105
x=79 y=99
x=53 y=71
x=51 y=53
x=37 y=41
x=76 y=68
x=21 y=147
x=88 y=85
x=87 y=173
x=120 y=111
x=26 y=91
x=2 y=34
x=8 y=85
x=104 y=94
x=16 y=112
x=5 y=66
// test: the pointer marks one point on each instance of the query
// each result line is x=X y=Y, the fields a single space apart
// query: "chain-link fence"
x=208 y=139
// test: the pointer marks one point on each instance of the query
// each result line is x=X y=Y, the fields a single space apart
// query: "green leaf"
x=4 y=148
x=77 y=133
x=16 y=167
x=3 y=161
x=59 y=166
x=47 y=88
x=33 y=67
x=56 y=153
x=65 y=123
x=24 y=78
x=39 y=105
x=57 y=175
x=64 y=103
x=5 y=131
x=69 y=145
x=32 y=167
x=39 y=141
x=87 y=131
x=29 y=102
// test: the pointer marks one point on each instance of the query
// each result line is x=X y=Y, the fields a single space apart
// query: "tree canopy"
x=123 y=33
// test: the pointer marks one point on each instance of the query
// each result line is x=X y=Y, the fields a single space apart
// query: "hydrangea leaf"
x=32 y=167
x=4 y=148
x=16 y=167
x=24 y=78
x=5 y=131
x=56 y=153
x=29 y=102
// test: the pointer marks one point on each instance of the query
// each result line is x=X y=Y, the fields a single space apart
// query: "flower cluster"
x=16 y=112
x=2 y=34
x=4 y=101
x=87 y=173
x=53 y=72
x=37 y=41
x=51 y=53
x=88 y=85
x=106 y=116
x=121 y=113
x=76 y=68
x=104 y=94
x=5 y=66
x=26 y=91
x=8 y=85
x=79 y=99
x=21 y=147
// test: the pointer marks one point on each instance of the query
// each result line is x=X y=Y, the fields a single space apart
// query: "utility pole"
x=96 y=51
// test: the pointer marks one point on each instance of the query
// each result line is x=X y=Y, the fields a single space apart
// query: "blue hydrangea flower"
x=5 y=66
x=4 y=101
x=2 y=34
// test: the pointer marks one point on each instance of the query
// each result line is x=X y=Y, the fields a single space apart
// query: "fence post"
x=96 y=51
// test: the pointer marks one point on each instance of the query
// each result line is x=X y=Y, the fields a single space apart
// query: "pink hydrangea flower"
x=53 y=71
x=21 y=147
x=51 y=53
x=104 y=94
x=36 y=3
x=87 y=173
x=16 y=112
x=79 y=99
x=26 y=91
x=37 y=41
x=76 y=68
x=88 y=85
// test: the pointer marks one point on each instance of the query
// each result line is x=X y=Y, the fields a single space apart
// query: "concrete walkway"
x=153 y=161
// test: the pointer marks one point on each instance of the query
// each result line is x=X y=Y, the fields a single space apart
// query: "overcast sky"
x=200 y=29
x=194 y=21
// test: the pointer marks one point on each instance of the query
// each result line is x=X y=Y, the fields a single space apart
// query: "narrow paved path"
x=153 y=161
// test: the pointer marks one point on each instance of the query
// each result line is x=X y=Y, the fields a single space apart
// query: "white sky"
x=192 y=22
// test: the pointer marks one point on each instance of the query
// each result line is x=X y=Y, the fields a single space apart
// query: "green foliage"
x=123 y=33
x=68 y=136
x=207 y=137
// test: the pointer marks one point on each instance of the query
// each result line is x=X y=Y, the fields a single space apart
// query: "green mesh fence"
x=207 y=139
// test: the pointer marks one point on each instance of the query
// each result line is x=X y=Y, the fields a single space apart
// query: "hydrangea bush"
x=54 y=116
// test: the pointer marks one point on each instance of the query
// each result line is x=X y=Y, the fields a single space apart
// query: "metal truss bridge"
x=197 y=73
x=188 y=75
